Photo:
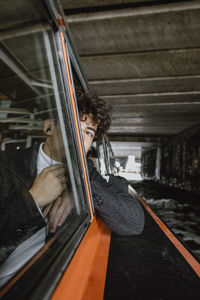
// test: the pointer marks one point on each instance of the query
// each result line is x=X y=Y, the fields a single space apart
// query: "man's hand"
x=59 y=210
x=48 y=185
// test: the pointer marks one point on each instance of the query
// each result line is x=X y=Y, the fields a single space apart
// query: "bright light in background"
x=102 y=167
x=128 y=154
x=132 y=169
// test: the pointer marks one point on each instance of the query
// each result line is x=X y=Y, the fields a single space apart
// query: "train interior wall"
x=176 y=162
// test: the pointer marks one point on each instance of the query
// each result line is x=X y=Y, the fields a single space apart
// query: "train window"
x=106 y=159
x=43 y=198
x=101 y=160
x=111 y=157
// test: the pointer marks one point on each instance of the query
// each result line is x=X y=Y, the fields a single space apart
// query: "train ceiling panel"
x=142 y=65
x=133 y=30
x=74 y=4
x=143 y=58
x=146 y=85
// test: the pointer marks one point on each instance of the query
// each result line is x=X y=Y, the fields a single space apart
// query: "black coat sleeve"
x=119 y=210
x=20 y=217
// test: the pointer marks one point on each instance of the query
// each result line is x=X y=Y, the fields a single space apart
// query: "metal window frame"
x=77 y=131
x=55 y=271
x=73 y=60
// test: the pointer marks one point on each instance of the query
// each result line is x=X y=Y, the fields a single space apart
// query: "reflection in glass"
x=40 y=194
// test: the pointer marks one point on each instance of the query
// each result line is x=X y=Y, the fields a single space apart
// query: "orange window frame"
x=85 y=276
x=76 y=120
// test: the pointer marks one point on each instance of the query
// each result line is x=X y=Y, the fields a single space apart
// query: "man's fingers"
x=54 y=218
x=47 y=210
x=49 y=185
x=64 y=215
x=58 y=170
x=55 y=207
x=59 y=215
x=66 y=207
x=59 y=212
x=54 y=167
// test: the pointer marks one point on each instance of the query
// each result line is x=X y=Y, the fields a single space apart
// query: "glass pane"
x=102 y=160
x=40 y=179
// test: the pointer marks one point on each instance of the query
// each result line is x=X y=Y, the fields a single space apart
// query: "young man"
x=117 y=208
x=34 y=180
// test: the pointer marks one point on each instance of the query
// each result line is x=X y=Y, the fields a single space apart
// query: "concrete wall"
x=178 y=163
x=149 y=164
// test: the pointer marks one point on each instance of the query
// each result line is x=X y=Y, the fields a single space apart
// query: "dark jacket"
x=20 y=217
x=118 y=209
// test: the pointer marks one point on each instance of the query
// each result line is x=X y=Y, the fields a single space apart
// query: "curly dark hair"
x=90 y=103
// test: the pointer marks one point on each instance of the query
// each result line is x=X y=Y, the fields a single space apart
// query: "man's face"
x=55 y=136
x=88 y=129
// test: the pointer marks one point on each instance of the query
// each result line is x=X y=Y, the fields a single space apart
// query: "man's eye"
x=89 y=133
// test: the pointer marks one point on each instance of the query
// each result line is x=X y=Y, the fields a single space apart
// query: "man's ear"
x=49 y=126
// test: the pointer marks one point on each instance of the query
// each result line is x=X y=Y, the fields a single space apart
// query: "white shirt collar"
x=43 y=160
